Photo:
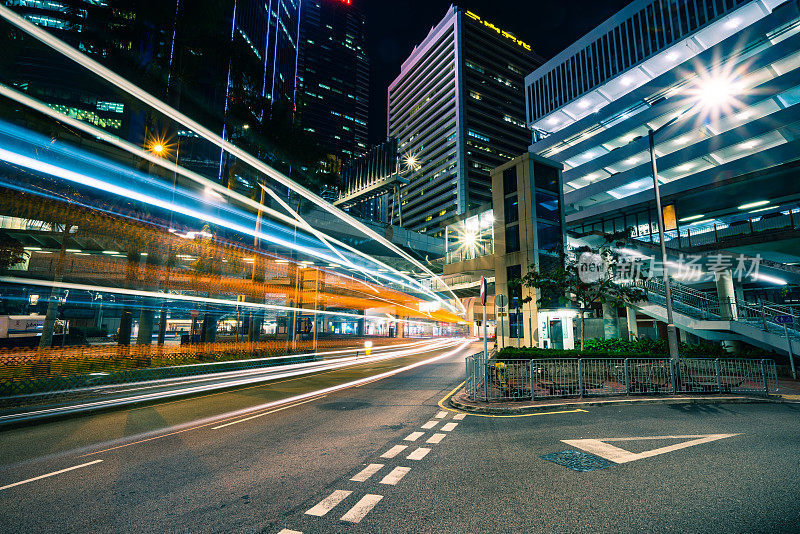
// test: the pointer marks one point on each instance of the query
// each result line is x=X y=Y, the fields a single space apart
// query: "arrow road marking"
x=599 y=447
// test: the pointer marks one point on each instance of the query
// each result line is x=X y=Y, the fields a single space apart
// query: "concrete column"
x=633 y=329
x=610 y=321
x=727 y=296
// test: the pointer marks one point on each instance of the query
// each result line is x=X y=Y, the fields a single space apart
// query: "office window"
x=545 y=177
x=549 y=237
x=547 y=207
x=511 y=209
x=510 y=180
x=512 y=238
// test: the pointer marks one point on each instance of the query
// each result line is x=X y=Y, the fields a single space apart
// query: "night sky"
x=395 y=26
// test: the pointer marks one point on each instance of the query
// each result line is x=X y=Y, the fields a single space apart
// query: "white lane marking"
x=362 y=508
x=367 y=472
x=287 y=531
x=49 y=474
x=449 y=426
x=459 y=416
x=430 y=424
x=328 y=503
x=395 y=475
x=394 y=451
x=414 y=436
x=599 y=447
x=436 y=438
x=441 y=415
x=266 y=413
x=419 y=453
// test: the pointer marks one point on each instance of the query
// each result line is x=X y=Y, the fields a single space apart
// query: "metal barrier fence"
x=496 y=380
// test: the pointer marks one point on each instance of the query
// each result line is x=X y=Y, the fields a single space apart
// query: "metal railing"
x=509 y=380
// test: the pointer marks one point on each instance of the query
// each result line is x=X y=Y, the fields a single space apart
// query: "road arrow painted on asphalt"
x=601 y=447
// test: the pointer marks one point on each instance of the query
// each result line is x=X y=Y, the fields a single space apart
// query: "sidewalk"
x=788 y=391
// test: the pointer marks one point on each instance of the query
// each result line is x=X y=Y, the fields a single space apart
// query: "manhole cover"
x=577 y=460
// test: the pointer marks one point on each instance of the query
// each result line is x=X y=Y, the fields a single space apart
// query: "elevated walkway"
x=703 y=315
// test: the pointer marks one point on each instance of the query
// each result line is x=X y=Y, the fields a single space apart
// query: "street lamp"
x=712 y=93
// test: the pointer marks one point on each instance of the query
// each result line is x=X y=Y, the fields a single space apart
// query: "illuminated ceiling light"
x=552 y=121
x=626 y=81
x=281 y=261
x=43 y=252
x=685 y=166
x=754 y=204
x=715 y=92
x=631 y=161
x=627 y=138
x=245 y=126
x=749 y=144
x=82 y=254
x=334 y=265
x=584 y=104
x=681 y=140
x=763 y=209
x=249 y=260
x=32 y=248
x=112 y=252
x=673 y=56
x=306 y=263
x=73 y=250
x=735 y=22
x=771 y=279
x=691 y=218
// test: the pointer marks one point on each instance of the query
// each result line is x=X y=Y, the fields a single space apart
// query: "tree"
x=568 y=281
x=11 y=252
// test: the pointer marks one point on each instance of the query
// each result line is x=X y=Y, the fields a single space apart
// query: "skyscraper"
x=458 y=108
x=333 y=76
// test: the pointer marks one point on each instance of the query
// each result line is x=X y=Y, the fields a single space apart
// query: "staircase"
x=704 y=315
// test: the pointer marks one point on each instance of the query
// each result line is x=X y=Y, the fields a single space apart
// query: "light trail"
x=189 y=298
x=135 y=91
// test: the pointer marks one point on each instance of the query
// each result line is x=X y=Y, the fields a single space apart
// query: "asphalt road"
x=346 y=462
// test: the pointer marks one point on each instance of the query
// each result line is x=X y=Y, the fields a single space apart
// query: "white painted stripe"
x=441 y=415
x=459 y=416
x=394 y=451
x=414 y=436
x=621 y=456
x=449 y=426
x=328 y=503
x=430 y=424
x=395 y=475
x=362 y=508
x=436 y=438
x=367 y=472
x=419 y=454
x=287 y=531
x=265 y=413
x=49 y=474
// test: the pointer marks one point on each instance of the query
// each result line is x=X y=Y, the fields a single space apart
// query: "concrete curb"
x=520 y=410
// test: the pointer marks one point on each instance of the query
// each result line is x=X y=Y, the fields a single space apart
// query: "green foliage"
x=11 y=252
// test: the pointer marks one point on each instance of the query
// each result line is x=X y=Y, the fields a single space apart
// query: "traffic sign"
x=194 y=314
x=783 y=319
x=483 y=290
x=501 y=300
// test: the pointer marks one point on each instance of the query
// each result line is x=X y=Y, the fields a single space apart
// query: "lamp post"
x=713 y=93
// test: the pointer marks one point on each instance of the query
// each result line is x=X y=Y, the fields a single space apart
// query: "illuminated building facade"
x=457 y=108
x=333 y=76
x=719 y=84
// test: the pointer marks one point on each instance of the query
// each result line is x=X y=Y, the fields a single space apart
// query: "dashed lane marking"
x=430 y=424
x=367 y=472
x=287 y=531
x=414 y=436
x=49 y=474
x=436 y=438
x=394 y=451
x=419 y=453
x=442 y=414
x=395 y=475
x=362 y=508
x=449 y=426
x=459 y=416
x=328 y=503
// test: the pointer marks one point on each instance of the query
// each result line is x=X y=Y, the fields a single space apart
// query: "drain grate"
x=577 y=460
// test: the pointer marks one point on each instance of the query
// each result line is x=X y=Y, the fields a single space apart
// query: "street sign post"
x=500 y=302
x=785 y=320
x=485 y=341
